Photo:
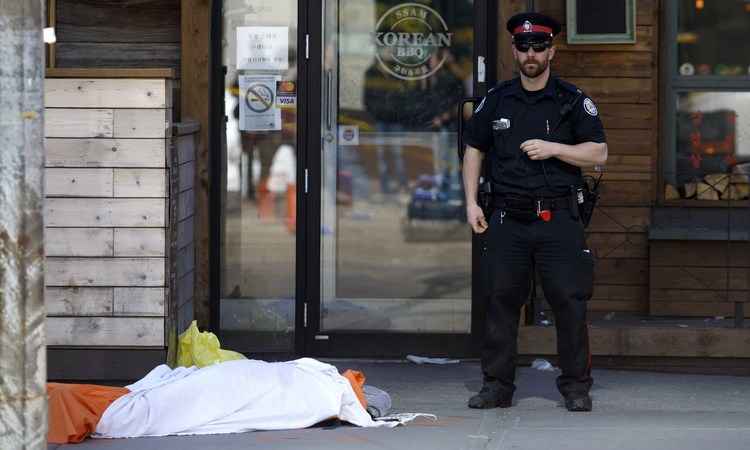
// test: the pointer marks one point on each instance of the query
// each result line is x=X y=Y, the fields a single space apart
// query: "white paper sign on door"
x=262 y=48
x=258 y=109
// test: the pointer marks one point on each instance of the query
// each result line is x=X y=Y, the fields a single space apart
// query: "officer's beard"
x=532 y=68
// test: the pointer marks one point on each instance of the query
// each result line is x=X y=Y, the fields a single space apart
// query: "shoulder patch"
x=590 y=108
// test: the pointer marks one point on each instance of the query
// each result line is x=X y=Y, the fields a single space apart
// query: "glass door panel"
x=395 y=246
x=259 y=172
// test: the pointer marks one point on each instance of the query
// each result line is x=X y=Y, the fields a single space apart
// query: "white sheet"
x=233 y=397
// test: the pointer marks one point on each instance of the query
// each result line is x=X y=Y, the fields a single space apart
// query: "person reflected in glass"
x=442 y=93
x=385 y=100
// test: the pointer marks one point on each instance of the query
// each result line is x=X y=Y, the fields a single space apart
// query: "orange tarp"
x=357 y=380
x=75 y=409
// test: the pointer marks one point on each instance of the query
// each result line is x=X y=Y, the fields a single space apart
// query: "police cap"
x=533 y=26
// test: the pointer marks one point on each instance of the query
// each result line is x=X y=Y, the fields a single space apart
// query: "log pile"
x=714 y=186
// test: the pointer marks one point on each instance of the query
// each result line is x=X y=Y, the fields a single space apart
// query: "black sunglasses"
x=538 y=46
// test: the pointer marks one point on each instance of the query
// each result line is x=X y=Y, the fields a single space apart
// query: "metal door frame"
x=309 y=169
x=382 y=344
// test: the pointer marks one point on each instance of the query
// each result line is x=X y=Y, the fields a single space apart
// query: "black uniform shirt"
x=508 y=116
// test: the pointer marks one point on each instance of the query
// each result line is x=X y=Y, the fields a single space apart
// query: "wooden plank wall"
x=699 y=278
x=106 y=210
x=118 y=33
x=182 y=228
x=623 y=81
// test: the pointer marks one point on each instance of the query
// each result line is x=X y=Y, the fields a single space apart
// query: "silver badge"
x=501 y=124
x=590 y=108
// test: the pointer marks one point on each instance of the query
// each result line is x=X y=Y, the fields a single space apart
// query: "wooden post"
x=507 y=66
x=195 y=92
x=23 y=399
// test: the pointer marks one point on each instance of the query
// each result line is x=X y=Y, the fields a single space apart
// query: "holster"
x=484 y=199
x=589 y=192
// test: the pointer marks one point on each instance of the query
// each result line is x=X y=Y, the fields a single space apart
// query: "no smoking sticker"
x=258 y=109
x=259 y=98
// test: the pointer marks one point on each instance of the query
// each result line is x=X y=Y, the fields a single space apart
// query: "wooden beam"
x=105 y=152
x=79 y=242
x=573 y=62
x=195 y=94
x=78 y=123
x=103 y=272
x=91 y=364
x=107 y=72
x=646 y=341
x=110 y=331
x=105 y=212
x=90 y=301
x=52 y=23
x=107 y=93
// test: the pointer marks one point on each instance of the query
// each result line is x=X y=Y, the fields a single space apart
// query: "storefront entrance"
x=341 y=228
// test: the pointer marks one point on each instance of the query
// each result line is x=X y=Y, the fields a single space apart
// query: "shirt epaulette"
x=570 y=87
x=498 y=89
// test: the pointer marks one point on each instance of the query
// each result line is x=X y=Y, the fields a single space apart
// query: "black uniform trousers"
x=565 y=267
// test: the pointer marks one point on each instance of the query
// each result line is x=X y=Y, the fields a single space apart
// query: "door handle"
x=329 y=99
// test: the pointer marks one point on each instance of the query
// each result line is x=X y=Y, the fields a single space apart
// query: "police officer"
x=535 y=132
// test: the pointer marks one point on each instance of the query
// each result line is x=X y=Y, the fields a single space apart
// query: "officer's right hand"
x=475 y=216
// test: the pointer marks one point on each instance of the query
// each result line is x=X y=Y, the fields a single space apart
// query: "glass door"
x=395 y=250
x=258 y=176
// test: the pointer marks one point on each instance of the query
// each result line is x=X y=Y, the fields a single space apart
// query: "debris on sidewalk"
x=427 y=360
x=543 y=365
x=404 y=418
x=378 y=401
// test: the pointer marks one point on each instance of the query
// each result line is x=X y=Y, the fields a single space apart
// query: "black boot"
x=492 y=395
x=578 y=402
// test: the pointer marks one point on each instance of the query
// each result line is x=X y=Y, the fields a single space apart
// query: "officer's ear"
x=513 y=50
x=552 y=52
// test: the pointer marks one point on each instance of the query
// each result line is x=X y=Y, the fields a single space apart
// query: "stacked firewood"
x=714 y=186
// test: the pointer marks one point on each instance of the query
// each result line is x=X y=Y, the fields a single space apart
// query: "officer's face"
x=533 y=63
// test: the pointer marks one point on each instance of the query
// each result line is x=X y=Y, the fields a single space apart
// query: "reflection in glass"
x=712 y=38
x=259 y=200
x=395 y=245
x=712 y=158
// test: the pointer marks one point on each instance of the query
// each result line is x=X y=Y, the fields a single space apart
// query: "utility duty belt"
x=579 y=203
x=528 y=209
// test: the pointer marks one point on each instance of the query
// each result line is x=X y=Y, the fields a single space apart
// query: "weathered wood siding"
x=623 y=82
x=181 y=230
x=699 y=278
x=117 y=33
x=107 y=211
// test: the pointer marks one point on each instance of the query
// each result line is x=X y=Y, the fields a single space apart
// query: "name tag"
x=501 y=124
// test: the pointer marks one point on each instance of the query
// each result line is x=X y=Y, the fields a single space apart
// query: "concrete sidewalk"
x=632 y=410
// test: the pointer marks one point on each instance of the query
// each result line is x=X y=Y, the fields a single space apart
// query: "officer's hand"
x=538 y=149
x=476 y=219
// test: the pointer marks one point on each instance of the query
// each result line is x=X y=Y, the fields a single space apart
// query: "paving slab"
x=632 y=410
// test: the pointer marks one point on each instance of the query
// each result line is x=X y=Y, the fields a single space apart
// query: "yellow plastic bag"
x=196 y=348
